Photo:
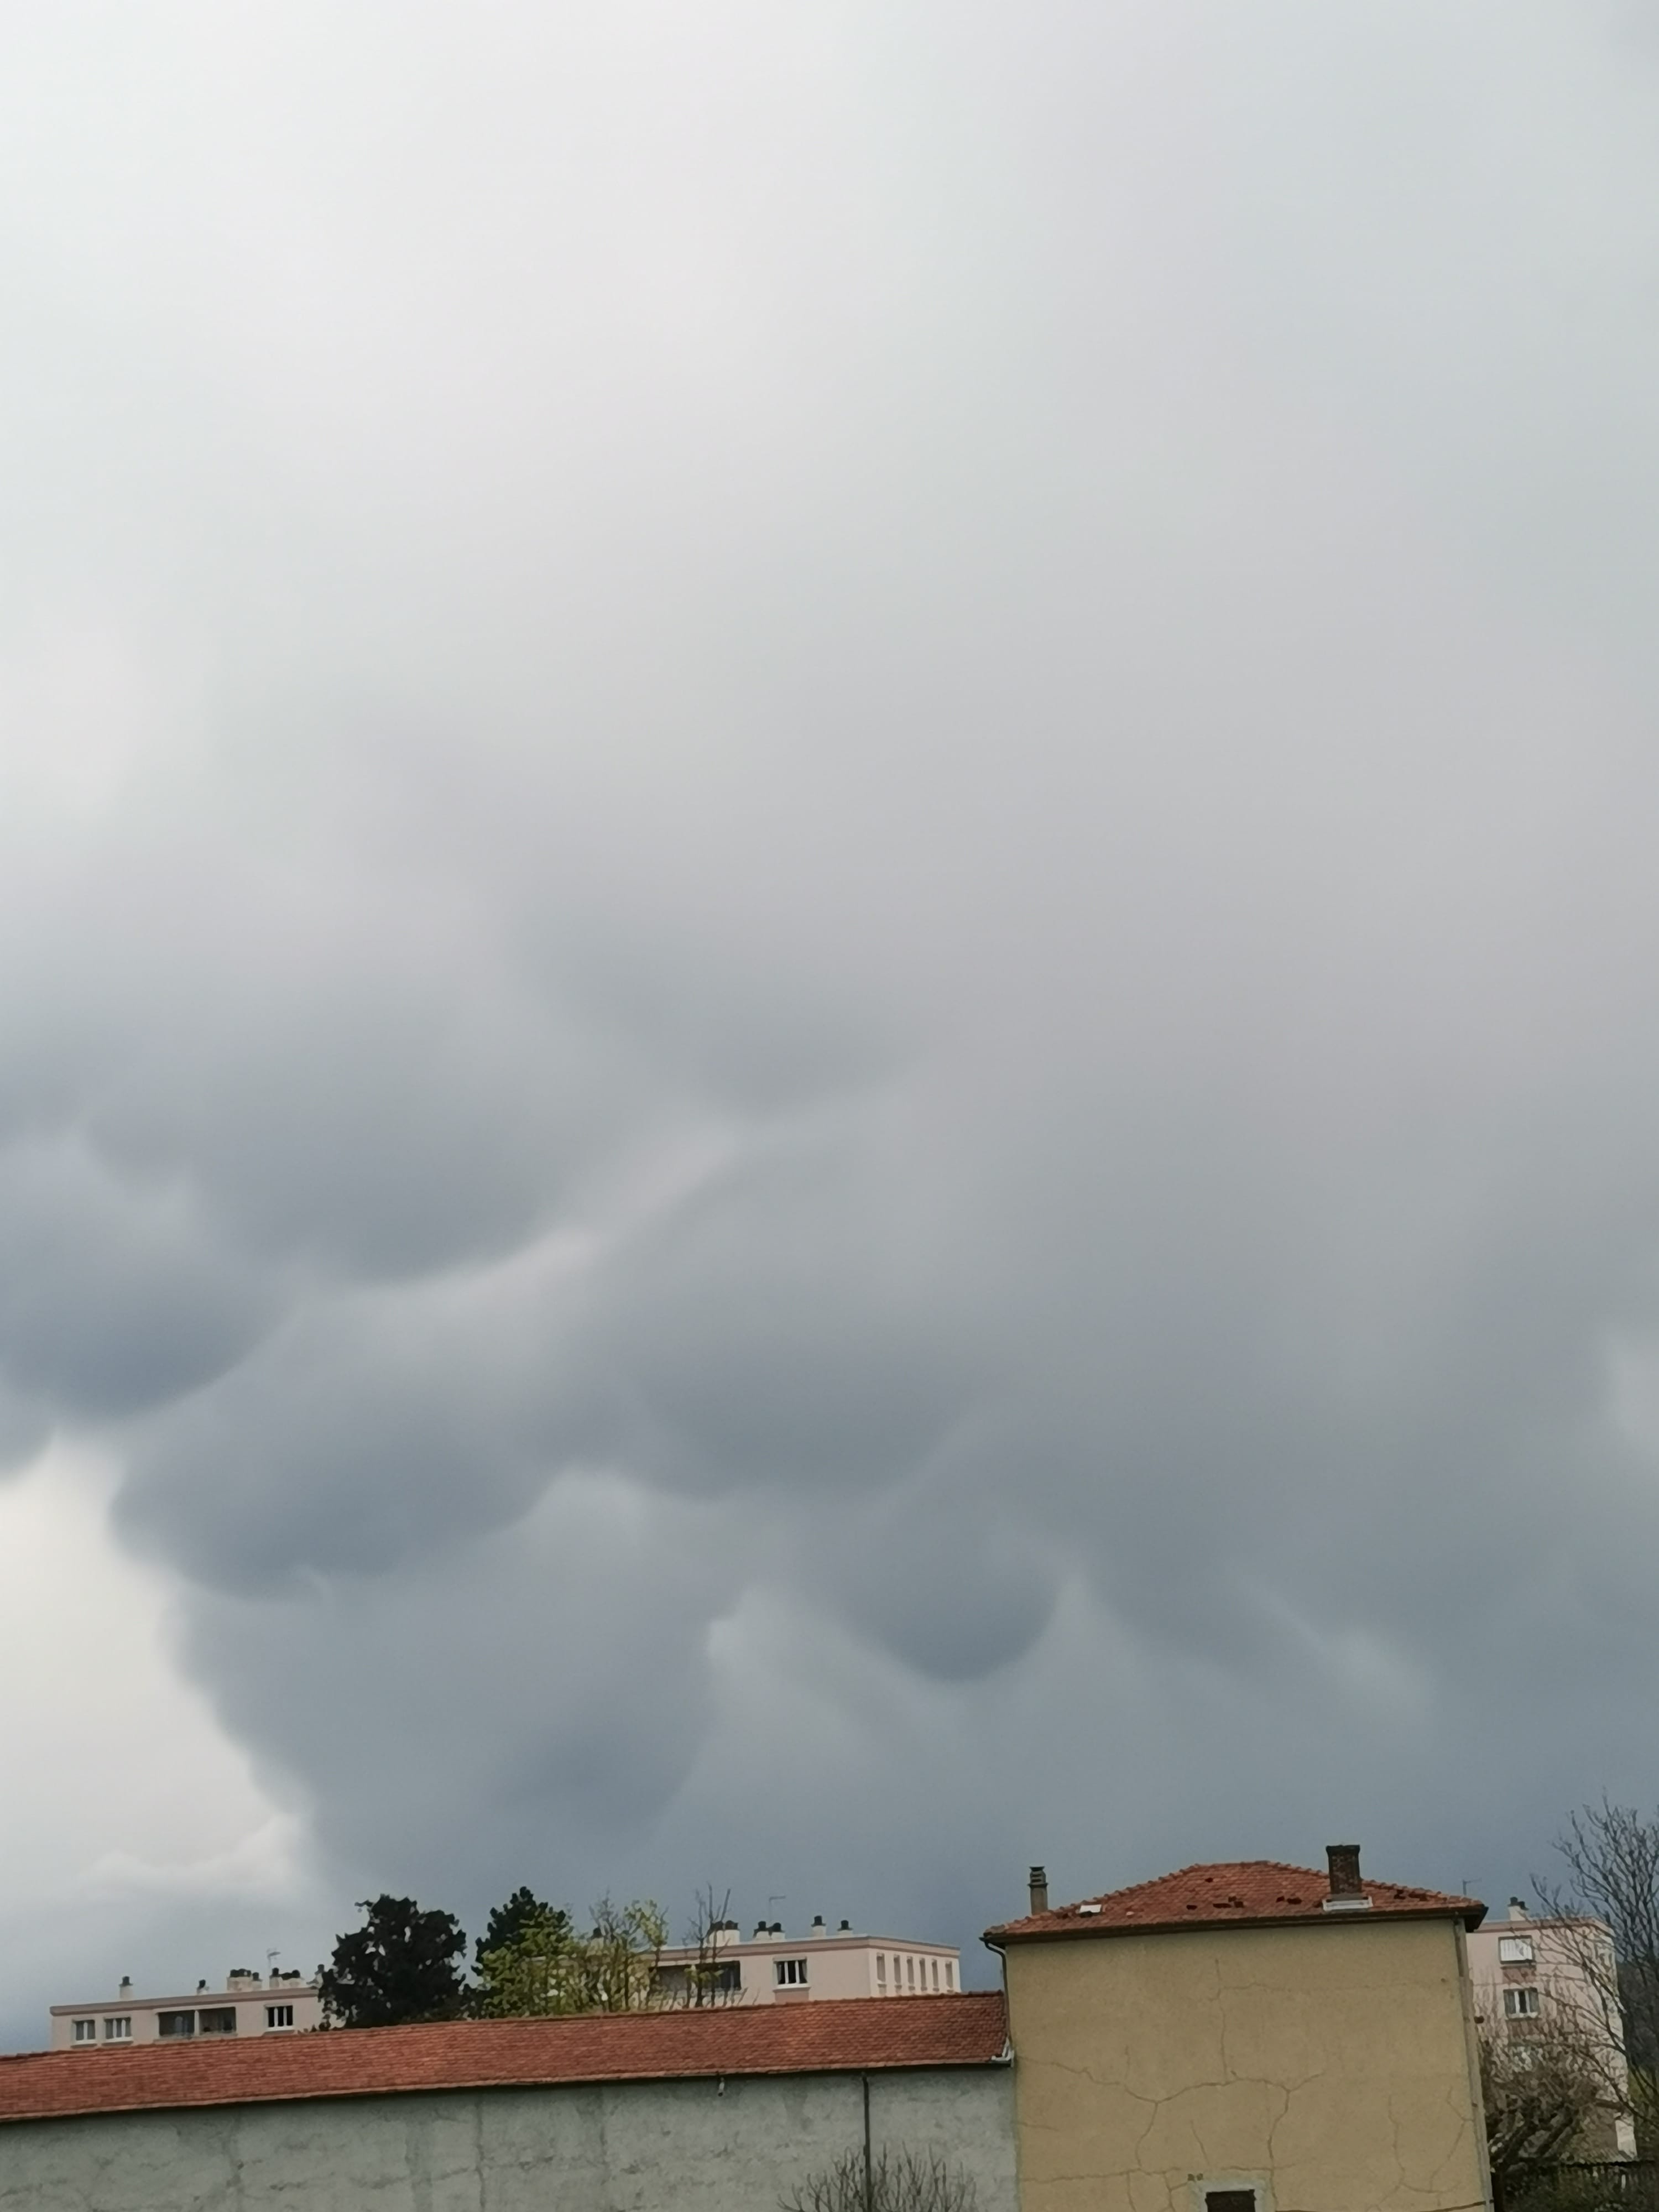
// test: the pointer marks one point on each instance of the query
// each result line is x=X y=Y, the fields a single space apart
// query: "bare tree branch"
x=897 y=2181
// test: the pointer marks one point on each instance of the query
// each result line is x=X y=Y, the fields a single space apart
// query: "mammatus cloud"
x=827 y=986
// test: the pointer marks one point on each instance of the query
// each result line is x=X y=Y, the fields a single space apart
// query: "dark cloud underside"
x=827 y=1012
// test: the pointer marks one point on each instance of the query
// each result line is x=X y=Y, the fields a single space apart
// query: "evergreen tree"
x=509 y=1921
x=399 y=1965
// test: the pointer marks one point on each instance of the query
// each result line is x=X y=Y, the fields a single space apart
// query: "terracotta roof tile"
x=843 y=2035
x=1242 y=1891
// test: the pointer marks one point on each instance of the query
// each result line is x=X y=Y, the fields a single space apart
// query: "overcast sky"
x=827 y=938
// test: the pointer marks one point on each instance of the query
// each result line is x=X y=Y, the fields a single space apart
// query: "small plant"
x=885 y=2181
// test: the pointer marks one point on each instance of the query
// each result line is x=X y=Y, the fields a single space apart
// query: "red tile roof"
x=1242 y=1891
x=842 y=2035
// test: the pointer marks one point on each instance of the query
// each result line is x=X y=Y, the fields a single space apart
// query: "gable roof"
x=1237 y=1892
x=832 y=2036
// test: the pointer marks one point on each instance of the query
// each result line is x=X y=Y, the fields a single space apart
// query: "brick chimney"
x=1347 y=1891
x=1039 y=1889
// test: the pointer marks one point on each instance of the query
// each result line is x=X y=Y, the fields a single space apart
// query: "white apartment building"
x=772 y=1967
x=1527 y=1972
x=279 y=2004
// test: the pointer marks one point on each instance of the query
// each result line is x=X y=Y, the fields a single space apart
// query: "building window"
x=119 y=2028
x=791 y=1973
x=1230 y=2200
x=935 y=1970
x=175 y=2023
x=86 y=2030
x=881 y=1973
x=217 y=2019
x=1516 y=1950
x=1521 y=2004
x=949 y=1973
x=279 y=2016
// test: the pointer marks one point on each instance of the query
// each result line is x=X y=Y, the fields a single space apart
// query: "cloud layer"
x=829 y=931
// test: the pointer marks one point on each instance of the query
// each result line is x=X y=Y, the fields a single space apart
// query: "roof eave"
x=1090 y=1929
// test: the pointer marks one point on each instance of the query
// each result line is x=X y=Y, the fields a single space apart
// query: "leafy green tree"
x=399 y=1965
x=522 y=1911
x=545 y=1967
x=624 y=1955
x=536 y=1969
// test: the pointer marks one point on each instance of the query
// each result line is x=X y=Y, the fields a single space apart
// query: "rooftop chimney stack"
x=1518 y=1908
x=1039 y=1889
x=1343 y=1860
x=1347 y=1891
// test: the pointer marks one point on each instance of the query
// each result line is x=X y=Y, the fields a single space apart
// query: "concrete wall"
x=1326 y=2067
x=633 y=2147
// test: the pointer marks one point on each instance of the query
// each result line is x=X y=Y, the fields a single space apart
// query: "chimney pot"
x=1343 y=1860
x=1518 y=1908
x=1039 y=1889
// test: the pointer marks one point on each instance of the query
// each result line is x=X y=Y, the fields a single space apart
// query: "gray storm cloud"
x=827 y=976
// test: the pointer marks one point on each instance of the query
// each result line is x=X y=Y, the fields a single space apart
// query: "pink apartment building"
x=770 y=1968
x=279 y=2004
x=1526 y=1973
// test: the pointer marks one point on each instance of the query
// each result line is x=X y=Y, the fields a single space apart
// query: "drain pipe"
x=869 y=2170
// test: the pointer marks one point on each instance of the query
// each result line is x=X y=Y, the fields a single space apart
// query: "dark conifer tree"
x=399 y=1965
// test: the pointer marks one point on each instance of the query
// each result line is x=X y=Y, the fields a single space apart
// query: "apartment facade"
x=248 y=2005
x=1559 y=1974
x=772 y=1967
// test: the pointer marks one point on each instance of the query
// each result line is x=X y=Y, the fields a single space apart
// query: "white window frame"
x=951 y=1975
x=86 y=2030
x=1521 y=2001
x=789 y=1973
x=274 y=2021
x=117 y=2027
x=1516 y=1951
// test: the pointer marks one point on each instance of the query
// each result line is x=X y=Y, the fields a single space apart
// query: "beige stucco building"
x=1246 y=2038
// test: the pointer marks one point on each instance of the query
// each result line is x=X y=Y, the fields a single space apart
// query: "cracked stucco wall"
x=631 y=2147
x=1332 y=2066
